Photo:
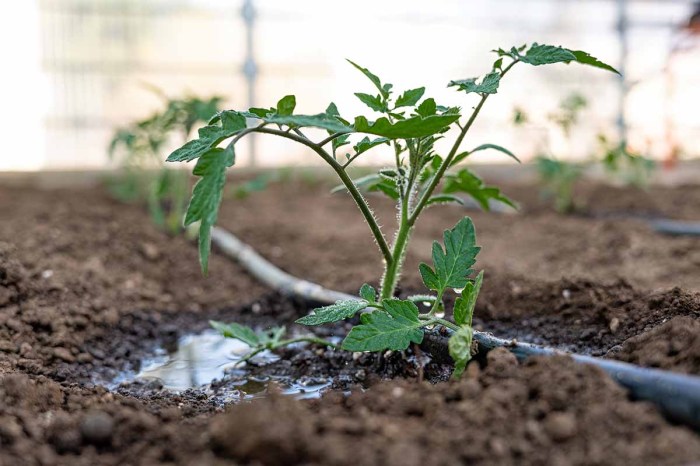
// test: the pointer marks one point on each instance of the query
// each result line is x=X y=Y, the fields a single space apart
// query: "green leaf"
x=494 y=147
x=206 y=196
x=383 y=90
x=237 y=331
x=460 y=347
x=464 y=305
x=486 y=85
x=444 y=199
x=341 y=310
x=429 y=277
x=387 y=186
x=540 y=54
x=321 y=120
x=467 y=182
x=368 y=293
x=286 y=105
x=586 y=59
x=453 y=264
x=394 y=329
x=272 y=337
x=415 y=127
x=366 y=144
x=410 y=98
x=427 y=108
x=373 y=102
x=210 y=136
x=256 y=112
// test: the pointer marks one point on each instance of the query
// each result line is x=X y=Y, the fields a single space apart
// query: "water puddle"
x=207 y=357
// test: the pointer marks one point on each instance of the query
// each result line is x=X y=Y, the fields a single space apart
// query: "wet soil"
x=88 y=289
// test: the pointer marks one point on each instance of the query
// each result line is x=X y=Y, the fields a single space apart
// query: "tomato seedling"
x=419 y=178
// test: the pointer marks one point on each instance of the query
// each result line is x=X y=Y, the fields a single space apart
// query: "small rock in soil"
x=63 y=354
x=97 y=428
x=561 y=426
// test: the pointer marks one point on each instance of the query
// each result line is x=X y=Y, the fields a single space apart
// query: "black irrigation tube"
x=675 y=227
x=676 y=395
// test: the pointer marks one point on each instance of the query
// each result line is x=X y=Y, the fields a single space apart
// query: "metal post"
x=622 y=27
x=250 y=69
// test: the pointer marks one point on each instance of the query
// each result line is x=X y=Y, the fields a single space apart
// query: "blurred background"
x=75 y=70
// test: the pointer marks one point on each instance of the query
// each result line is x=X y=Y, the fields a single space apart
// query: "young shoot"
x=410 y=123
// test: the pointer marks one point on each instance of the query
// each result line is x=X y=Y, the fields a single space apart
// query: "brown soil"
x=88 y=288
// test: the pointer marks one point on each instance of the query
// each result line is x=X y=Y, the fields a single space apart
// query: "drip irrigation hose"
x=675 y=227
x=676 y=395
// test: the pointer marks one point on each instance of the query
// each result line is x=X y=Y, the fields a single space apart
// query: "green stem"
x=435 y=320
x=436 y=304
x=392 y=269
x=318 y=341
x=347 y=182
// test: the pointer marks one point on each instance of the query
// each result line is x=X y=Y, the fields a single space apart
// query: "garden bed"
x=88 y=289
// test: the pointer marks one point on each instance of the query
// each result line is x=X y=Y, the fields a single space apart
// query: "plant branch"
x=330 y=138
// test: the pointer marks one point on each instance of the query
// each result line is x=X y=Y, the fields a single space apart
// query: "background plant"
x=625 y=165
x=419 y=178
x=139 y=147
x=558 y=176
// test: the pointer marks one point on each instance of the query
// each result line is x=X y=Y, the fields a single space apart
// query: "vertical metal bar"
x=622 y=28
x=250 y=69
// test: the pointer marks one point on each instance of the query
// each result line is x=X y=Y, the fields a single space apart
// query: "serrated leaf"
x=368 y=293
x=386 y=186
x=410 y=98
x=467 y=182
x=464 y=305
x=320 y=120
x=373 y=102
x=486 y=85
x=206 y=196
x=414 y=127
x=460 y=347
x=341 y=310
x=256 y=112
x=240 y=332
x=540 y=54
x=452 y=265
x=383 y=90
x=286 y=105
x=586 y=59
x=444 y=199
x=366 y=144
x=427 y=108
x=392 y=329
x=209 y=137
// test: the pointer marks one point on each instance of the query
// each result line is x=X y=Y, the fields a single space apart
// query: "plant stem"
x=347 y=182
x=436 y=320
x=436 y=304
x=318 y=341
x=392 y=269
